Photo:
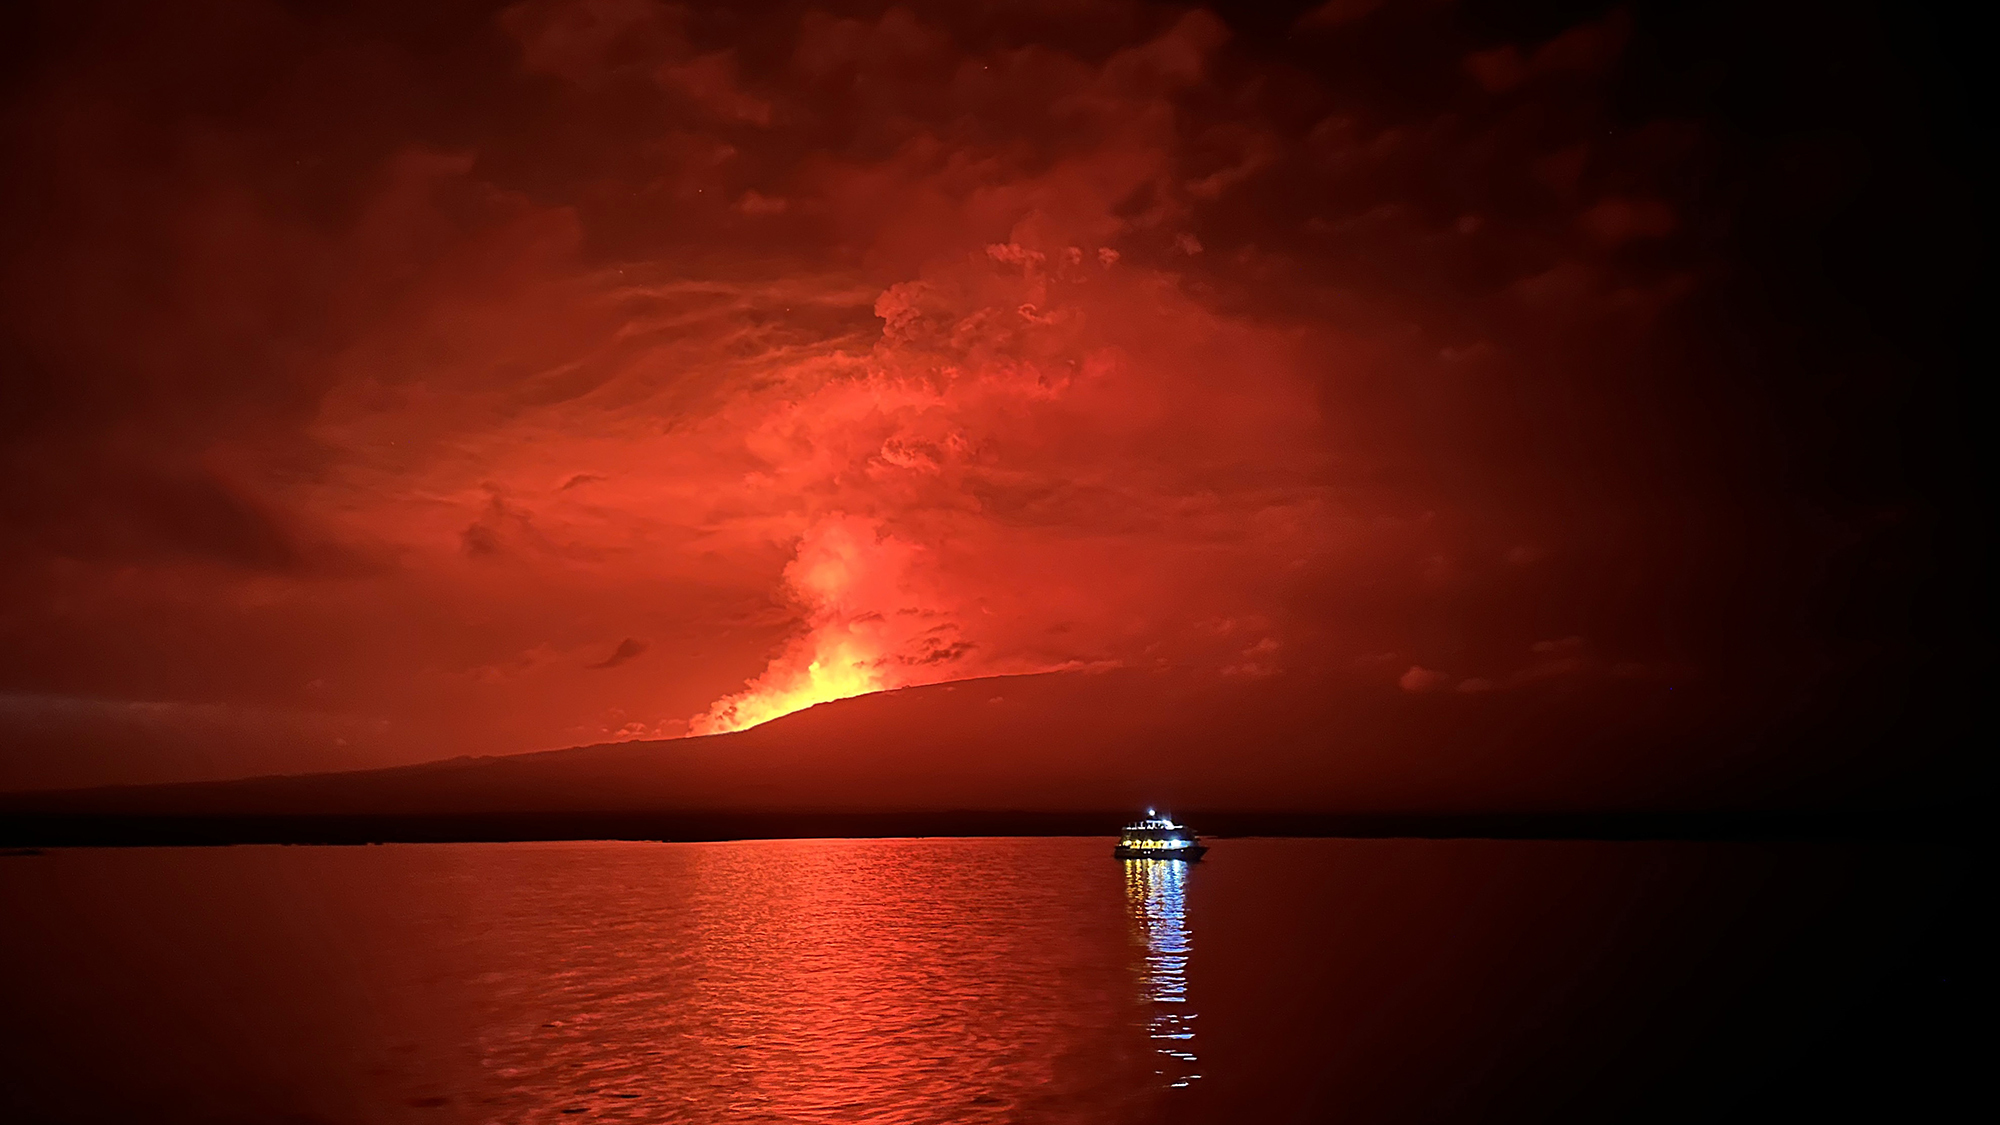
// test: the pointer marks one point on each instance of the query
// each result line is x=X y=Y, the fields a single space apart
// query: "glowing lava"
x=840 y=667
x=869 y=628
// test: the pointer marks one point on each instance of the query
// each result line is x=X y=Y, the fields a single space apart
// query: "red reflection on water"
x=800 y=981
x=840 y=981
x=1032 y=981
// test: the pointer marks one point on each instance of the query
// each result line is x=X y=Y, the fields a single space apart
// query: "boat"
x=1158 y=837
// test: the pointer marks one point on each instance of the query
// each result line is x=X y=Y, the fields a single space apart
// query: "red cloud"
x=1421 y=679
x=841 y=354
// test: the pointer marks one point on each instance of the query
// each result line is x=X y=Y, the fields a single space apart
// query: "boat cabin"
x=1158 y=837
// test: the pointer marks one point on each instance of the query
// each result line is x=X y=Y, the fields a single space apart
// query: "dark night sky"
x=392 y=382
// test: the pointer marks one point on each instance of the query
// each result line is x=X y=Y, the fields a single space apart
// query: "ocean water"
x=974 y=980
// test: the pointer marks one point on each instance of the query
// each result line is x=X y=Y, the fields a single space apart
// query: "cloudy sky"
x=397 y=382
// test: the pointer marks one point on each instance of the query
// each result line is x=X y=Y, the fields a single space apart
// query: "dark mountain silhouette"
x=1064 y=752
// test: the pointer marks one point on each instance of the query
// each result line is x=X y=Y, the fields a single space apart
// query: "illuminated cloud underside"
x=630 y=370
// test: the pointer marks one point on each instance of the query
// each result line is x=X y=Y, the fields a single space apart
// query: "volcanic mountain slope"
x=1050 y=743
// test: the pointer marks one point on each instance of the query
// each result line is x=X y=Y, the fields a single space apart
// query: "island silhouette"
x=1058 y=754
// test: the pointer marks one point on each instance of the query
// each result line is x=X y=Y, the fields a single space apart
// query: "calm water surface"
x=1029 y=980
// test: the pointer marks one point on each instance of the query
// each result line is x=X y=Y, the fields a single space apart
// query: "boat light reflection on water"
x=1156 y=894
